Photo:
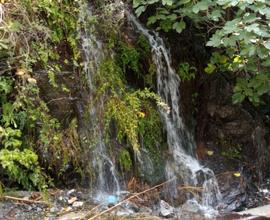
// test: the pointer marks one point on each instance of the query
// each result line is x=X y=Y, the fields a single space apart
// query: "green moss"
x=150 y=127
x=125 y=160
x=143 y=45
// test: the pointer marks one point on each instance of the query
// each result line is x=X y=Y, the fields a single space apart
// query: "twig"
x=225 y=173
x=131 y=197
x=24 y=200
x=190 y=188
x=62 y=98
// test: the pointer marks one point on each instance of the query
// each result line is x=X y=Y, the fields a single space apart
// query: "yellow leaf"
x=237 y=174
x=141 y=114
x=237 y=59
x=210 y=152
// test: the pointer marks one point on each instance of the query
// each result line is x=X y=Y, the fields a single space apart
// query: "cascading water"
x=106 y=179
x=182 y=165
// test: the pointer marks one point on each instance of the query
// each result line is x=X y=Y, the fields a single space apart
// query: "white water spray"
x=182 y=165
x=107 y=182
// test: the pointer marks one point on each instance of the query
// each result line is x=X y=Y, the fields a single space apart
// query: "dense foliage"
x=40 y=37
x=43 y=37
x=35 y=35
x=125 y=83
x=237 y=30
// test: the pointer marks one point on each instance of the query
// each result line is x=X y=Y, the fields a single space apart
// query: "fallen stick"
x=24 y=200
x=131 y=197
x=190 y=188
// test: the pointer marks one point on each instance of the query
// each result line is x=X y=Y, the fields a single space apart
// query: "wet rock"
x=29 y=208
x=233 y=190
x=61 y=199
x=259 y=211
x=145 y=209
x=166 y=210
x=124 y=212
x=132 y=206
x=262 y=152
x=235 y=216
x=54 y=209
x=151 y=170
x=191 y=207
x=71 y=192
x=190 y=216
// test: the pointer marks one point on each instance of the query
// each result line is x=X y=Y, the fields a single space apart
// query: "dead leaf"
x=210 y=153
x=237 y=174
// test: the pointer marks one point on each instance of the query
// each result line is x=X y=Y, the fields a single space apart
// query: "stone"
x=124 y=212
x=73 y=216
x=39 y=209
x=233 y=190
x=77 y=204
x=150 y=170
x=70 y=192
x=132 y=206
x=191 y=206
x=259 y=211
x=166 y=210
x=145 y=209
x=72 y=200
x=54 y=210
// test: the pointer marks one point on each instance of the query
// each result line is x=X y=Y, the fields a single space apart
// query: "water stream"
x=182 y=165
x=107 y=181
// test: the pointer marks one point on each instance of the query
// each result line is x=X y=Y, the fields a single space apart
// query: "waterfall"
x=181 y=165
x=106 y=180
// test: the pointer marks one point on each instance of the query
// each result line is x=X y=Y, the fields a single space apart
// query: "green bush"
x=35 y=35
x=239 y=34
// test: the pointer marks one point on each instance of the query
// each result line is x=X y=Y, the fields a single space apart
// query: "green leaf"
x=238 y=98
x=215 y=15
x=152 y=20
x=267 y=44
x=215 y=40
x=167 y=2
x=210 y=68
x=182 y=2
x=140 y=10
x=179 y=26
x=200 y=6
x=14 y=26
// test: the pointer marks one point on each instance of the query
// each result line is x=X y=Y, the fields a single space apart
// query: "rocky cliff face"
x=230 y=138
x=237 y=134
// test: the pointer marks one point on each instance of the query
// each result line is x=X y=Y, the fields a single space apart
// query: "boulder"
x=166 y=210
